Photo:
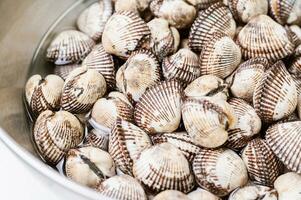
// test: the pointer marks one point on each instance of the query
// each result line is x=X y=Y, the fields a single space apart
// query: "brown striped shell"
x=140 y=71
x=284 y=139
x=122 y=187
x=124 y=32
x=43 y=93
x=181 y=140
x=97 y=138
x=286 y=11
x=248 y=124
x=297 y=81
x=263 y=37
x=127 y=141
x=295 y=67
x=89 y=166
x=200 y=194
x=202 y=4
x=253 y=192
x=69 y=46
x=288 y=186
x=207 y=120
x=64 y=70
x=295 y=32
x=120 y=96
x=93 y=19
x=220 y=171
x=220 y=56
x=275 y=96
x=54 y=133
x=163 y=167
x=216 y=18
x=262 y=164
x=159 y=108
x=81 y=90
x=171 y=195
x=103 y=62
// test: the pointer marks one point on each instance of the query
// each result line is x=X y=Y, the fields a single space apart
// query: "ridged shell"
x=202 y=4
x=262 y=164
x=43 y=94
x=122 y=187
x=288 y=186
x=55 y=133
x=200 y=194
x=220 y=56
x=89 y=166
x=64 y=70
x=285 y=141
x=182 y=66
x=81 y=90
x=93 y=19
x=253 y=192
x=103 y=62
x=298 y=51
x=286 y=11
x=120 y=96
x=263 y=37
x=163 y=167
x=295 y=67
x=171 y=195
x=207 y=120
x=124 y=32
x=275 y=96
x=248 y=124
x=181 y=140
x=159 y=108
x=97 y=138
x=127 y=141
x=299 y=106
x=297 y=81
x=69 y=47
x=216 y=18
x=141 y=71
x=295 y=32
x=247 y=75
x=220 y=171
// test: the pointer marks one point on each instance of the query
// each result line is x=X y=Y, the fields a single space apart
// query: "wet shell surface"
x=64 y=70
x=263 y=37
x=275 y=96
x=220 y=171
x=141 y=71
x=202 y=4
x=288 y=186
x=262 y=164
x=124 y=32
x=81 y=90
x=216 y=18
x=200 y=193
x=93 y=19
x=171 y=195
x=286 y=12
x=43 y=93
x=55 y=133
x=69 y=47
x=103 y=62
x=159 y=108
x=163 y=167
x=127 y=141
x=122 y=187
x=284 y=139
x=253 y=192
x=89 y=166
x=97 y=138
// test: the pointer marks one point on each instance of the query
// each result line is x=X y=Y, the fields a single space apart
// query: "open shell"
x=97 y=138
x=286 y=12
x=253 y=192
x=64 y=70
x=171 y=195
x=200 y=193
x=288 y=186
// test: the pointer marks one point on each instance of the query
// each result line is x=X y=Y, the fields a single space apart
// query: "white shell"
x=171 y=195
x=200 y=193
x=288 y=186
x=253 y=192
x=97 y=138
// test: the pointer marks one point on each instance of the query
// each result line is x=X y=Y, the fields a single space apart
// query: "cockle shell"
x=262 y=164
x=220 y=171
x=159 y=108
x=200 y=193
x=284 y=139
x=182 y=66
x=81 y=90
x=120 y=96
x=178 y=13
x=122 y=187
x=299 y=106
x=64 y=70
x=181 y=140
x=127 y=141
x=286 y=11
x=207 y=120
x=171 y=195
x=93 y=19
x=141 y=71
x=55 y=133
x=295 y=32
x=163 y=167
x=216 y=18
x=69 y=46
x=89 y=166
x=253 y=192
x=43 y=93
x=220 y=56
x=132 y=5
x=275 y=96
x=103 y=62
x=248 y=124
x=124 y=32
x=202 y=4
x=247 y=75
x=297 y=81
x=263 y=37
x=97 y=138
x=288 y=186
x=295 y=67
x=165 y=39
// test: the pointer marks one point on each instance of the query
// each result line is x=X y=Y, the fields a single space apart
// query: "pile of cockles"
x=175 y=99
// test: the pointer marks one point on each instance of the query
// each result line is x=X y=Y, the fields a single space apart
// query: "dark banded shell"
x=295 y=32
x=297 y=81
x=97 y=138
x=159 y=108
x=216 y=18
x=69 y=46
x=202 y=4
x=284 y=139
x=171 y=195
x=64 y=70
x=54 y=133
x=120 y=96
x=286 y=11
x=254 y=192
x=295 y=67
